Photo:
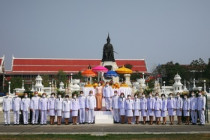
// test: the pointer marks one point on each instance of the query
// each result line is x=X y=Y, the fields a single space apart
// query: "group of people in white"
x=124 y=109
x=52 y=106
x=159 y=107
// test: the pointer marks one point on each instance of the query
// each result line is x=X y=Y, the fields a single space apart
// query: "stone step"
x=103 y=117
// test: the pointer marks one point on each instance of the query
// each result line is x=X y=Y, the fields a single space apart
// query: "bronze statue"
x=108 y=51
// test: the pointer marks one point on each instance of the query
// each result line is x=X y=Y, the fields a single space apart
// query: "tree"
x=16 y=82
x=61 y=77
x=135 y=76
x=207 y=71
x=78 y=76
x=198 y=67
x=128 y=66
x=169 y=70
x=45 y=80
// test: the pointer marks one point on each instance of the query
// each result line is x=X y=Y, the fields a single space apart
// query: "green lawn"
x=109 y=137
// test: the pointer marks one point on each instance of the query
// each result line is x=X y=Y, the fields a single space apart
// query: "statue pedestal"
x=127 y=79
x=111 y=66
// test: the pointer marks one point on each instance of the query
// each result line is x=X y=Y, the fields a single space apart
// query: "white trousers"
x=43 y=117
x=82 y=115
x=108 y=103
x=201 y=116
x=7 y=117
x=16 y=117
x=194 y=116
x=35 y=116
x=116 y=115
x=90 y=115
x=25 y=117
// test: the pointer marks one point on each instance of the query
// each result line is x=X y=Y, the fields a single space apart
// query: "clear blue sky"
x=156 y=30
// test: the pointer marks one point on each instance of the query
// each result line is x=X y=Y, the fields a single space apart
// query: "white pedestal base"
x=103 y=117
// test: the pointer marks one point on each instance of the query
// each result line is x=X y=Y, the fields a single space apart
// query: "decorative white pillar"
x=9 y=87
x=204 y=86
x=50 y=87
x=127 y=79
x=194 y=84
x=143 y=75
x=22 y=84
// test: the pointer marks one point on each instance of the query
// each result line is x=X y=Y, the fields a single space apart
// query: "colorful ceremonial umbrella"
x=100 y=69
x=124 y=70
x=88 y=73
x=111 y=73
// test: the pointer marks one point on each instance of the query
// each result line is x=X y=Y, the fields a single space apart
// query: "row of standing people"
x=60 y=107
x=147 y=107
x=159 y=107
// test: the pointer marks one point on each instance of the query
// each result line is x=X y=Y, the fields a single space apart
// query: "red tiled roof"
x=51 y=66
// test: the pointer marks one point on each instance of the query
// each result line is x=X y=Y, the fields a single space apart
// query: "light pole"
x=9 y=87
x=194 y=84
x=50 y=87
x=164 y=88
x=204 y=85
x=22 y=84
x=71 y=77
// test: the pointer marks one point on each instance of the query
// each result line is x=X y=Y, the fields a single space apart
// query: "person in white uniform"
x=74 y=109
x=107 y=94
x=136 y=106
x=143 y=107
x=43 y=107
x=201 y=108
x=90 y=107
x=58 y=108
x=193 y=108
x=51 y=108
x=129 y=108
x=121 y=104
x=66 y=106
x=158 y=108
x=34 y=104
x=186 y=109
x=115 y=107
x=179 y=105
x=163 y=108
x=171 y=107
x=7 y=106
x=150 y=108
x=82 y=108
x=16 y=102
x=25 y=107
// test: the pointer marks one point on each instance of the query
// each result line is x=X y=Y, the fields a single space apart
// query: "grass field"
x=109 y=137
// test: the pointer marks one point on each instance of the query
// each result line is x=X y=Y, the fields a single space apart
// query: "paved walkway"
x=104 y=129
x=96 y=129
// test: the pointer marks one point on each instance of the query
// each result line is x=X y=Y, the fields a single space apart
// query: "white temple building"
x=178 y=86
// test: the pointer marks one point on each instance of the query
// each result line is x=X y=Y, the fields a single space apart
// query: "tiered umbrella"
x=111 y=73
x=88 y=73
x=100 y=69
x=124 y=70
